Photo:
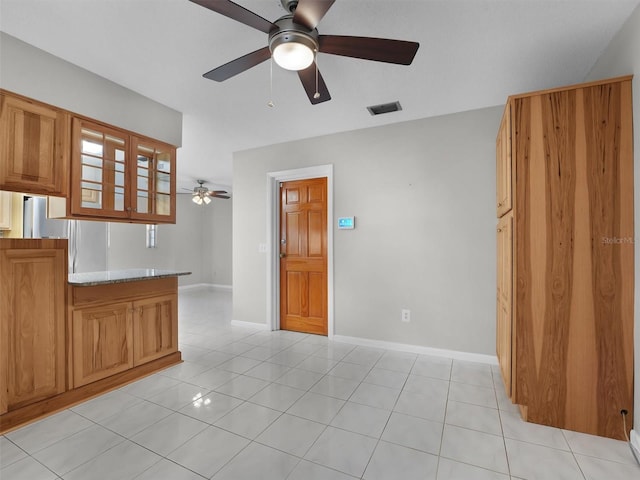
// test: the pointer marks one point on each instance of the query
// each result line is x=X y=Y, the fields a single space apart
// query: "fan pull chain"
x=270 y=103
x=317 y=94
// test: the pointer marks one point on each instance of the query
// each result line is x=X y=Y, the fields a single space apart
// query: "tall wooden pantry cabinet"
x=565 y=241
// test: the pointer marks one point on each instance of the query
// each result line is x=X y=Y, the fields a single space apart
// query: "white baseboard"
x=203 y=286
x=242 y=323
x=195 y=286
x=635 y=442
x=401 y=347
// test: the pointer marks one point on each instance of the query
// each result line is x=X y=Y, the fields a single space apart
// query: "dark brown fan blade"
x=221 y=196
x=239 y=65
x=310 y=12
x=237 y=13
x=215 y=192
x=308 y=79
x=377 y=49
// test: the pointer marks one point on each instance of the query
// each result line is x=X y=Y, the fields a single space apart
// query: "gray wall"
x=622 y=57
x=423 y=193
x=217 y=248
x=32 y=72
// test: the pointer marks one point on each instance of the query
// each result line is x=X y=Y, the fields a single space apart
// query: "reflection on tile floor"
x=249 y=404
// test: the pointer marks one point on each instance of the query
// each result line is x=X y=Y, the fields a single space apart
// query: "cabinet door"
x=32 y=322
x=504 y=303
x=34 y=147
x=155 y=328
x=503 y=164
x=574 y=258
x=153 y=186
x=99 y=174
x=102 y=342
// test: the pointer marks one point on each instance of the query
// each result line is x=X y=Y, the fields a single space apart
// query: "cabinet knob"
x=499 y=204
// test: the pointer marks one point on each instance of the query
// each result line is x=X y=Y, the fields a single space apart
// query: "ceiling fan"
x=294 y=42
x=202 y=195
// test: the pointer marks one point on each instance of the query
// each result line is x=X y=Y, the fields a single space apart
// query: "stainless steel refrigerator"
x=88 y=240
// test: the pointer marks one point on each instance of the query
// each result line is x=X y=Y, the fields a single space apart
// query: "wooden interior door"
x=303 y=256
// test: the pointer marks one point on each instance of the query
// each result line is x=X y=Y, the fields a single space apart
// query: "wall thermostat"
x=346 y=223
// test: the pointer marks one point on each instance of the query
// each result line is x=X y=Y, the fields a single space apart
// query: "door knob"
x=282 y=255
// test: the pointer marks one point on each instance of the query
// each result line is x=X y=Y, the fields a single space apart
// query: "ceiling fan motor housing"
x=290 y=32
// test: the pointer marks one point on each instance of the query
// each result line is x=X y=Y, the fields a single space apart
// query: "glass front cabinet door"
x=120 y=176
x=154 y=187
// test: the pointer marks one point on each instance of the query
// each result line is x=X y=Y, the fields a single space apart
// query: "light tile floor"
x=249 y=404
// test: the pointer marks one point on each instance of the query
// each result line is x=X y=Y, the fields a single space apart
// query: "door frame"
x=273 y=239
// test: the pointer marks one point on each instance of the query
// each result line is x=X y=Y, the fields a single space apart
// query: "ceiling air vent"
x=384 y=108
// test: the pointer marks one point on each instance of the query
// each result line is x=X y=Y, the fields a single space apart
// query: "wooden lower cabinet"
x=33 y=275
x=61 y=344
x=102 y=342
x=115 y=337
x=117 y=327
x=155 y=330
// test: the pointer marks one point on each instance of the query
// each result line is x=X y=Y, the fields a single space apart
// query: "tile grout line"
x=444 y=420
x=504 y=440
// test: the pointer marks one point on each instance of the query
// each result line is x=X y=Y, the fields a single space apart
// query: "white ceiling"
x=472 y=54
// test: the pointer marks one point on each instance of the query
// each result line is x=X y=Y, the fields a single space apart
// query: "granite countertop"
x=121 y=276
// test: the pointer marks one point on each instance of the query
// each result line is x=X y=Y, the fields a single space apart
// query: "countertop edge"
x=90 y=279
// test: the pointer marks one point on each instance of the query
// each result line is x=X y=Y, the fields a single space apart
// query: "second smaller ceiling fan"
x=202 y=195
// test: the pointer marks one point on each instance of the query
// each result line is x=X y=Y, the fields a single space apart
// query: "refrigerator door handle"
x=72 y=235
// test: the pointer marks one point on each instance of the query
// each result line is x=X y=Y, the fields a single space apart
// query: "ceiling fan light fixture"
x=206 y=200
x=197 y=199
x=293 y=50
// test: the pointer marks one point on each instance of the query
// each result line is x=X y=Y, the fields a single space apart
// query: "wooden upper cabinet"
x=98 y=177
x=34 y=146
x=119 y=176
x=33 y=276
x=103 y=172
x=153 y=187
x=503 y=165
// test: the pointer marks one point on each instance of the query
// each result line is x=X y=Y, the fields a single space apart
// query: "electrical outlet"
x=262 y=247
x=406 y=315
